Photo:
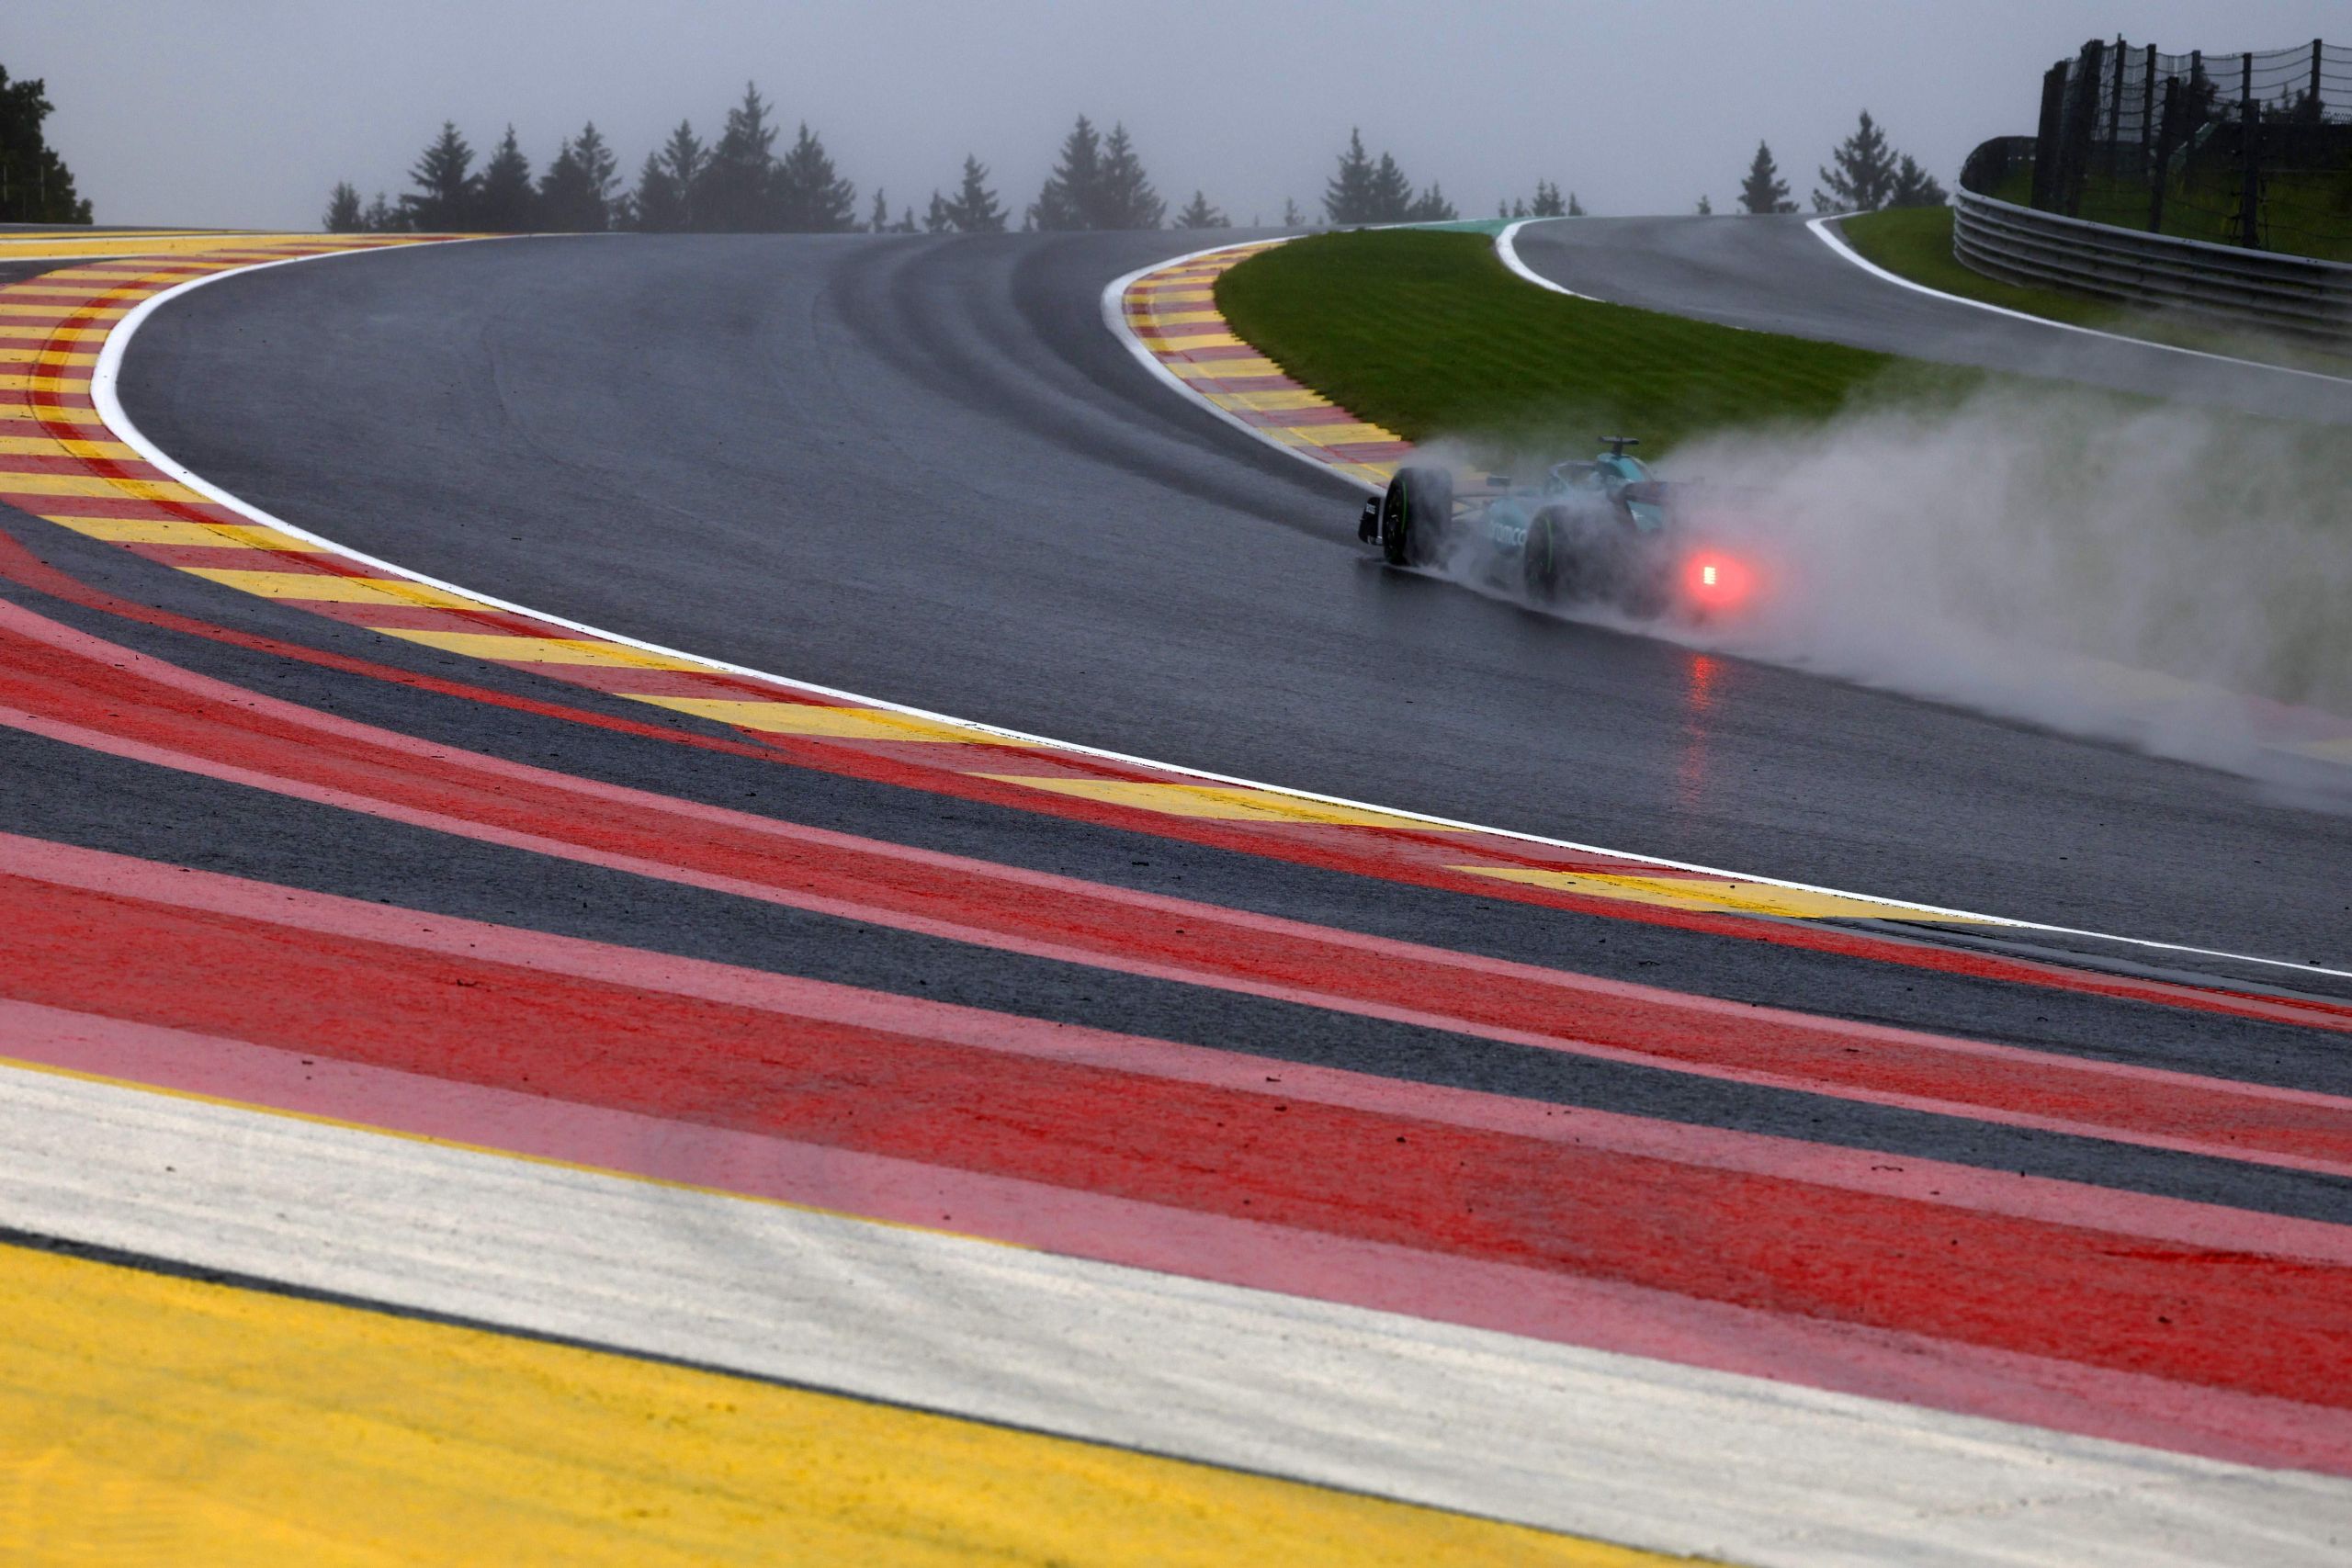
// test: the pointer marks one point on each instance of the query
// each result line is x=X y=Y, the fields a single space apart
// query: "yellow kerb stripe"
x=14 y=353
x=1327 y=434
x=94 y=485
x=1225 y=369
x=151 y=1419
x=806 y=718
x=65 y=446
x=59 y=313
x=12 y=383
x=1161 y=321
x=327 y=588
x=1283 y=401
x=507 y=649
x=1225 y=803
x=172 y=531
x=1714 y=895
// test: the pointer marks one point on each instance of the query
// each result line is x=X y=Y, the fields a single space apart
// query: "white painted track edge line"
x=103 y=393
x=1838 y=242
x=1507 y=248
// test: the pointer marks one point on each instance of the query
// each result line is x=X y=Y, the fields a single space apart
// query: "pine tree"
x=1764 y=191
x=1706 y=208
x=938 y=220
x=879 y=222
x=505 y=202
x=1575 y=207
x=35 y=185
x=1547 y=202
x=1292 y=217
x=345 y=215
x=1914 y=187
x=1431 y=206
x=974 y=210
x=1348 y=199
x=906 y=224
x=732 y=194
x=1124 y=196
x=810 y=196
x=576 y=193
x=1861 y=173
x=1070 y=192
x=653 y=206
x=1518 y=208
x=446 y=186
x=1392 y=193
x=684 y=158
x=1199 y=214
x=383 y=218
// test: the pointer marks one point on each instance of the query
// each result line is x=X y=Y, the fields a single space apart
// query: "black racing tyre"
x=1538 y=558
x=1416 y=512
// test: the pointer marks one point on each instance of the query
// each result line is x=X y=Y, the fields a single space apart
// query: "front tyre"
x=1415 y=510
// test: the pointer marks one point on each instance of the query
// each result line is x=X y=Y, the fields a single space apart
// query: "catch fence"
x=2252 y=149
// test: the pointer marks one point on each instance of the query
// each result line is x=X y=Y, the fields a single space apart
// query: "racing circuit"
x=890 y=861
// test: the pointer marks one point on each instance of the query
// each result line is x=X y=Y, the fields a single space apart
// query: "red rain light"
x=1716 y=579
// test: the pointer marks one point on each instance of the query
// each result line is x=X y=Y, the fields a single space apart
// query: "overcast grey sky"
x=245 y=112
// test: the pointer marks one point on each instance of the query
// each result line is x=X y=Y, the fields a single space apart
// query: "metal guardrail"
x=2280 y=293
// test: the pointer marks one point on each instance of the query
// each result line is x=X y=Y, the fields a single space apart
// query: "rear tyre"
x=1415 y=510
x=1539 y=561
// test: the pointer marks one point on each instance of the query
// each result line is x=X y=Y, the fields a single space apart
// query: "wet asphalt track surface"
x=1774 y=274
x=922 y=470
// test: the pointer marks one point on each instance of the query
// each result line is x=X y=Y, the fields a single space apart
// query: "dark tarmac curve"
x=1775 y=274
x=922 y=470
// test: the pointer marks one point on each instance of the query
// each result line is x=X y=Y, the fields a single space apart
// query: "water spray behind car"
x=2165 y=576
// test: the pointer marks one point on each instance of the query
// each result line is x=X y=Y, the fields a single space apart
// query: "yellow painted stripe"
x=1714 y=895
x=1225 y=369
x=151 y=1419
x=162 y=531
x=327 y=588
x=13 y=353
x=139 y=245
x=1285 y=402
x=16 y=307
x=65 y=446
x=11 y=383
x=1181 y=342
x=1224 y=803
x=81 y=418
x=508 y=649
x=1162 y=319
x=804 y=718
x=1327 y=434
x=94 y=484
x=40 y=332
x=1156 y=298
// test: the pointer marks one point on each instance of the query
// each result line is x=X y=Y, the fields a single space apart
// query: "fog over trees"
x=751 y=179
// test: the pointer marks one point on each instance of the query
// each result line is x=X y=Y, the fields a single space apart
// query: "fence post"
x=2318 y=110
x=2082 y=122
x=2148 y=107
x=2115 y=111
x=2049 y=143
x=2250 y=182
x=2161 y=171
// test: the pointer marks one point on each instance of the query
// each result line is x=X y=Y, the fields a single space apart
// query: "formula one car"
x=1604 y=532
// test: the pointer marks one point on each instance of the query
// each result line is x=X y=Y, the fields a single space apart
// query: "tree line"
x=1864 y=175
x=742 y=183
x=35 y=185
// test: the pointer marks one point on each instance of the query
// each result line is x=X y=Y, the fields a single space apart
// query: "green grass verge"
x=1428 y=335
x=1915 y=242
